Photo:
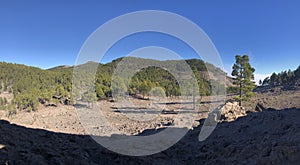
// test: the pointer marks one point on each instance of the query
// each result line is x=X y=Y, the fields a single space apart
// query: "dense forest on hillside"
x=32 y=86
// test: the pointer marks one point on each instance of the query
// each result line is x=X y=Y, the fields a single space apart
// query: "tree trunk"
x=194 y=107
x=240 y=101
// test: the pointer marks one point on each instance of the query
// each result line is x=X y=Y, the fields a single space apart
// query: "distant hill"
x=60 y=67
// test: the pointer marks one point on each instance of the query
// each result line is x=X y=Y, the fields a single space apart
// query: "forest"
x=283 y=78
x=33 y=86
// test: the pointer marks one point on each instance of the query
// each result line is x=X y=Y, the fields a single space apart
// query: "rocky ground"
x=244 y=135
x=128 y=120
x=276 y=97
x=268 y=137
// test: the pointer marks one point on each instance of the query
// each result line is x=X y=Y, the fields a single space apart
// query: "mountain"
x=32 y=86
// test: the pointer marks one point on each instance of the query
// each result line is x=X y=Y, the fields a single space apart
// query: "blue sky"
x=50 y=33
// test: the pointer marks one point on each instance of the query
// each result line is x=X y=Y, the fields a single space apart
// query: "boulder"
x=259 y=107
x=229 y=112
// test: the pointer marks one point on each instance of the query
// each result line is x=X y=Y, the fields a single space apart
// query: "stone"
x=231 y=111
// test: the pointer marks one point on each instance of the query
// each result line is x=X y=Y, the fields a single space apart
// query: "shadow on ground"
x=268 y=137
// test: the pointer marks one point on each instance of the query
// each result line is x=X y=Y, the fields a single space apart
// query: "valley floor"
x=57 y=135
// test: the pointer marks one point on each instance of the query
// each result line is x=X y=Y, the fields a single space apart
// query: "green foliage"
x=89 y=97
x=99 y=91
x=2 y=105
x=119 y=87
x=157 y=92
x=232 y=90
x=26 y=101
x=3 y=101
x=11 y=109
x=266 y=81
x=243 y=73
x=297 y=73
x=216 y=88
x=151 y=77
x=33 y=86
x=203 y=85
x=283 y=78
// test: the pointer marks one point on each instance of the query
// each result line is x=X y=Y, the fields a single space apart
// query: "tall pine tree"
x=243 y=73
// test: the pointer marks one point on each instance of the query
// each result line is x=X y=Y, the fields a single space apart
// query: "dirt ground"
x=277 y=98
x=58 y=135
x=128 y=120
x=140 y=115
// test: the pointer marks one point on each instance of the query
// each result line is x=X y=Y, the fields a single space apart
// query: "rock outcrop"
x=227 y=112
x=259 y=107
x=231 y=111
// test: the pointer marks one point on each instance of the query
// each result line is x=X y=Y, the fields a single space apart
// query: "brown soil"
x=55 y=135
x=129 y=120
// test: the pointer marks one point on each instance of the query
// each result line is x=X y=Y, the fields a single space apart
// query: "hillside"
x=32 y=86
x=55 y=135
x=60 y=67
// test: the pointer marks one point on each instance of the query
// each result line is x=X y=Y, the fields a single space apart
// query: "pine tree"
x=273 y=78
x=99 y=91
x=297 y=73
x=90 y=97
x=243 y=73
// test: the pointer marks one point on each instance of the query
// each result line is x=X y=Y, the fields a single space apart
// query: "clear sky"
x=51 y=32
